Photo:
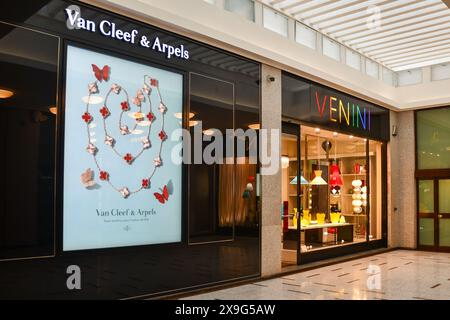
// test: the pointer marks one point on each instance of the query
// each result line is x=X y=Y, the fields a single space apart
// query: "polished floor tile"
x=399 y=275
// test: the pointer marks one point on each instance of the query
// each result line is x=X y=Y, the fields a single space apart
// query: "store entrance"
x=434 y=214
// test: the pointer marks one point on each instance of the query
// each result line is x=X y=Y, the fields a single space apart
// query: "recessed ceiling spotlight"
x=179 y=115
x=317 y=130
x=5 y=94
x=254 y=126
x=335 y=134
x=351 y=137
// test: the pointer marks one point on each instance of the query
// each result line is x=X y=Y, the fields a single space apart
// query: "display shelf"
x=353 y=215
x=321 y=226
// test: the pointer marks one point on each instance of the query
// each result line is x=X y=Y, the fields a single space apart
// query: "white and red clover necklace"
x=139 y=117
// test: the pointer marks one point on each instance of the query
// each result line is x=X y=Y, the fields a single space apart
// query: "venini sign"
x=109 y=29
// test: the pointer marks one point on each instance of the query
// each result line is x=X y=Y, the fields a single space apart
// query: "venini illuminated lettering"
x=339 y=111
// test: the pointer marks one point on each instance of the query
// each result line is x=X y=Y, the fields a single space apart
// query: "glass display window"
x=340 y=194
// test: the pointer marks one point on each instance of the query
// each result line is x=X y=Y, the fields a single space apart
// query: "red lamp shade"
x=335 y=177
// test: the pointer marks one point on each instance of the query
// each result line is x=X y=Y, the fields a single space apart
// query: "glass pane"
x=28 y=64
x=275 y=21
x=371 y=68
x=211 y=200
x=444 y=232
x=444 y=196
x=290 y=181
x=331 y=49
x=374 y=197
x=426 y=231
x=353 y=59
x=245 y=8
x=409 y=77
x=389 y=77
x=440 y=72
x=426 y=196
x=336 y=198
x=433 y=138
x=306 y=36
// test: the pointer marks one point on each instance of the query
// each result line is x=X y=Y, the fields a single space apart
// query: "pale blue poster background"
x=84 y=228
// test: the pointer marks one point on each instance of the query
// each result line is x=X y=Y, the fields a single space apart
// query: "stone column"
x=271 y=184
x=402 y=211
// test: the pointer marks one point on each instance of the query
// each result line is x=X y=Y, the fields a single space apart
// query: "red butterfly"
x=162 y=197
x=101 y=74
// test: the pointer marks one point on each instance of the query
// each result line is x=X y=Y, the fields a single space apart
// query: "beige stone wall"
x=402 y=223
x=271 y=184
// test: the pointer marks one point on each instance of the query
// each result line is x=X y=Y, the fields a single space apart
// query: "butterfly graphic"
x=87 y=178
x=101 y=74
x=162 y=197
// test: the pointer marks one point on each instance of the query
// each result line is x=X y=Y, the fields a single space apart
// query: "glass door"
x=434 y=214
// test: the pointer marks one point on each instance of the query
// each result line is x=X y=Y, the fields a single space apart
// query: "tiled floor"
x=399 y=274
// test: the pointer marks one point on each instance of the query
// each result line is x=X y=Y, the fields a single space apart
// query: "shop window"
x=305 y=36
x=28 y=82
x=372 y=68
x=275 y=21
x=341 y=197
x=433 y=138
x=353 y=59
x=244 y=8
x=222 y=193
x=331 y=48
x=409 y=77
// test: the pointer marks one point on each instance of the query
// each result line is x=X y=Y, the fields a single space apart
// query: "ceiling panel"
x=396 y=33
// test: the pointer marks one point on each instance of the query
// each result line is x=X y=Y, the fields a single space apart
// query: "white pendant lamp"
x=318 y=180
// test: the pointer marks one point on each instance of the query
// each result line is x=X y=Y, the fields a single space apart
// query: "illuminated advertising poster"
x=121 y=187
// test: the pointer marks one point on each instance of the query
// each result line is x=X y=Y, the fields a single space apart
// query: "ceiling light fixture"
x=5 y=94
x=179 y=115
x=53 y=110
x=254 y=126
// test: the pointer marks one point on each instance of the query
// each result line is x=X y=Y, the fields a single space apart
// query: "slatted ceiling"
x=412 y=32
x=408 y=51
x=417 y=24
